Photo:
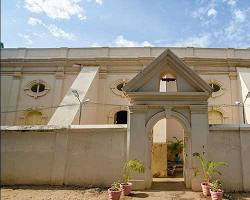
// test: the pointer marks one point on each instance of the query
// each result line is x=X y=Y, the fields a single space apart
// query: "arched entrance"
x=187 y=104
x=186 y=139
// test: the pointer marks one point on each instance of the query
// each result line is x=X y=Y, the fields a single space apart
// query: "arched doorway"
x=167 y=150
x=180 y=124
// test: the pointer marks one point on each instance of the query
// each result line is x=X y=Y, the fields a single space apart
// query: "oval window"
x=215 y=87
x=120 y=86
x=38 y=87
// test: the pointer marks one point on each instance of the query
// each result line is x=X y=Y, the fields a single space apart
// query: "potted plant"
x=176 y=148
x=216 y=190
x=209 y=169
x=114 y=191
x=129 y=167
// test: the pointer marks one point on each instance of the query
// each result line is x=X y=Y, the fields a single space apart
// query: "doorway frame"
x=187 y=167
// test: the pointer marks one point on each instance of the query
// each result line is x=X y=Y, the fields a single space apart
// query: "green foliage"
x=216 y=186
x=209 y=168
x=176 y=148
x=115 y=186
x=130 y=166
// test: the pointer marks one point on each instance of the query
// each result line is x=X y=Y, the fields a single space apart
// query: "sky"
x=125 y=23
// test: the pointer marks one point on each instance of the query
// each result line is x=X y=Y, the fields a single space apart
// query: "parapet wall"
x=231 y=144
x=93 y=155
x=76 y=155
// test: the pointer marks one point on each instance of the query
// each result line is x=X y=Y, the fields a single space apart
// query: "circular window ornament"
x=36 y=88
x=218 y=90
x=117 y=87
x=215 y=87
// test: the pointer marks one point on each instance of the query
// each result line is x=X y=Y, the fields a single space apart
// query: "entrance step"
x=168 y=184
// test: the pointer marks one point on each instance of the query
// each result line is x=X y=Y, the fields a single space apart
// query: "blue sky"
x=90 y=23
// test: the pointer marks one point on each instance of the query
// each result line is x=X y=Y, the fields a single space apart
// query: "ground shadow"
x=139 y=195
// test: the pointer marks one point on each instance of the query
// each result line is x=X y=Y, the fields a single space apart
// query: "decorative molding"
x=103 y=72
x=29 y=92
x=138 y=108
x=171 y=96
x=114 y=89
x=167 y=60
x=233 y=75
x=198 y=109
x=222 y=88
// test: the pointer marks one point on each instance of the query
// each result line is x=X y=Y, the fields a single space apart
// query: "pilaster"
x=14 y=96
x=137 y=141
x=233 y=77
x=199 y=137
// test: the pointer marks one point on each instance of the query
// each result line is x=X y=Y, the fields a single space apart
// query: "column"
x=199 y=137
x=137 y=143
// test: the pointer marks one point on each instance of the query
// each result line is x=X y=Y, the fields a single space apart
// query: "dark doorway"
x=121 y=117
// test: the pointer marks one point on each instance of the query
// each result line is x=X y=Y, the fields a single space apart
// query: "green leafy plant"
x=115 y=186
x=176 y=148
x=209 y=168
x=216 y=186
x=132 y=166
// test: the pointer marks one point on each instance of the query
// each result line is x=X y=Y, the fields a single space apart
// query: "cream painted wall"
x=120 y=63
x=230 y=144
x=222 y=101
x=63 y=155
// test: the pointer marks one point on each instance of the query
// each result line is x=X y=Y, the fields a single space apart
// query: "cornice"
x=142 y=61
x=199 y=109
x=170 y=96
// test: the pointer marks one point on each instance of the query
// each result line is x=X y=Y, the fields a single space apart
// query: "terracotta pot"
x=216 y=195
x=205 y=188
x=114 y=195
x=126 y=188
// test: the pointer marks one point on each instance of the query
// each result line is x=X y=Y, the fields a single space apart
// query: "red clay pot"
x=126 y=188
x=216 y=195
x=114 y=195
x=205 y=188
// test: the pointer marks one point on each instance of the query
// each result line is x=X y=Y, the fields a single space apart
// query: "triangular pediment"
x=148 y=79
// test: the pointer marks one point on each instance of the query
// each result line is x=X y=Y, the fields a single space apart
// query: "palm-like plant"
x=209 y=168
x=132 y=165
x=176 y=148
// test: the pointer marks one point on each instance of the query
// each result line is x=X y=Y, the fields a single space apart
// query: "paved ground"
x=158 y=192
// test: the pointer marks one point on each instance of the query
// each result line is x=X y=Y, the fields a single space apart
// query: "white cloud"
x=205 y=10
x=120 y=41
x=26 y=38
x=59 y=33
x=239 y=15
x=34 y=21
x=100 y=2
x=200 y=41
x=52 y=28
x=211 y=12
x=231 y=2
x=63 y=9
